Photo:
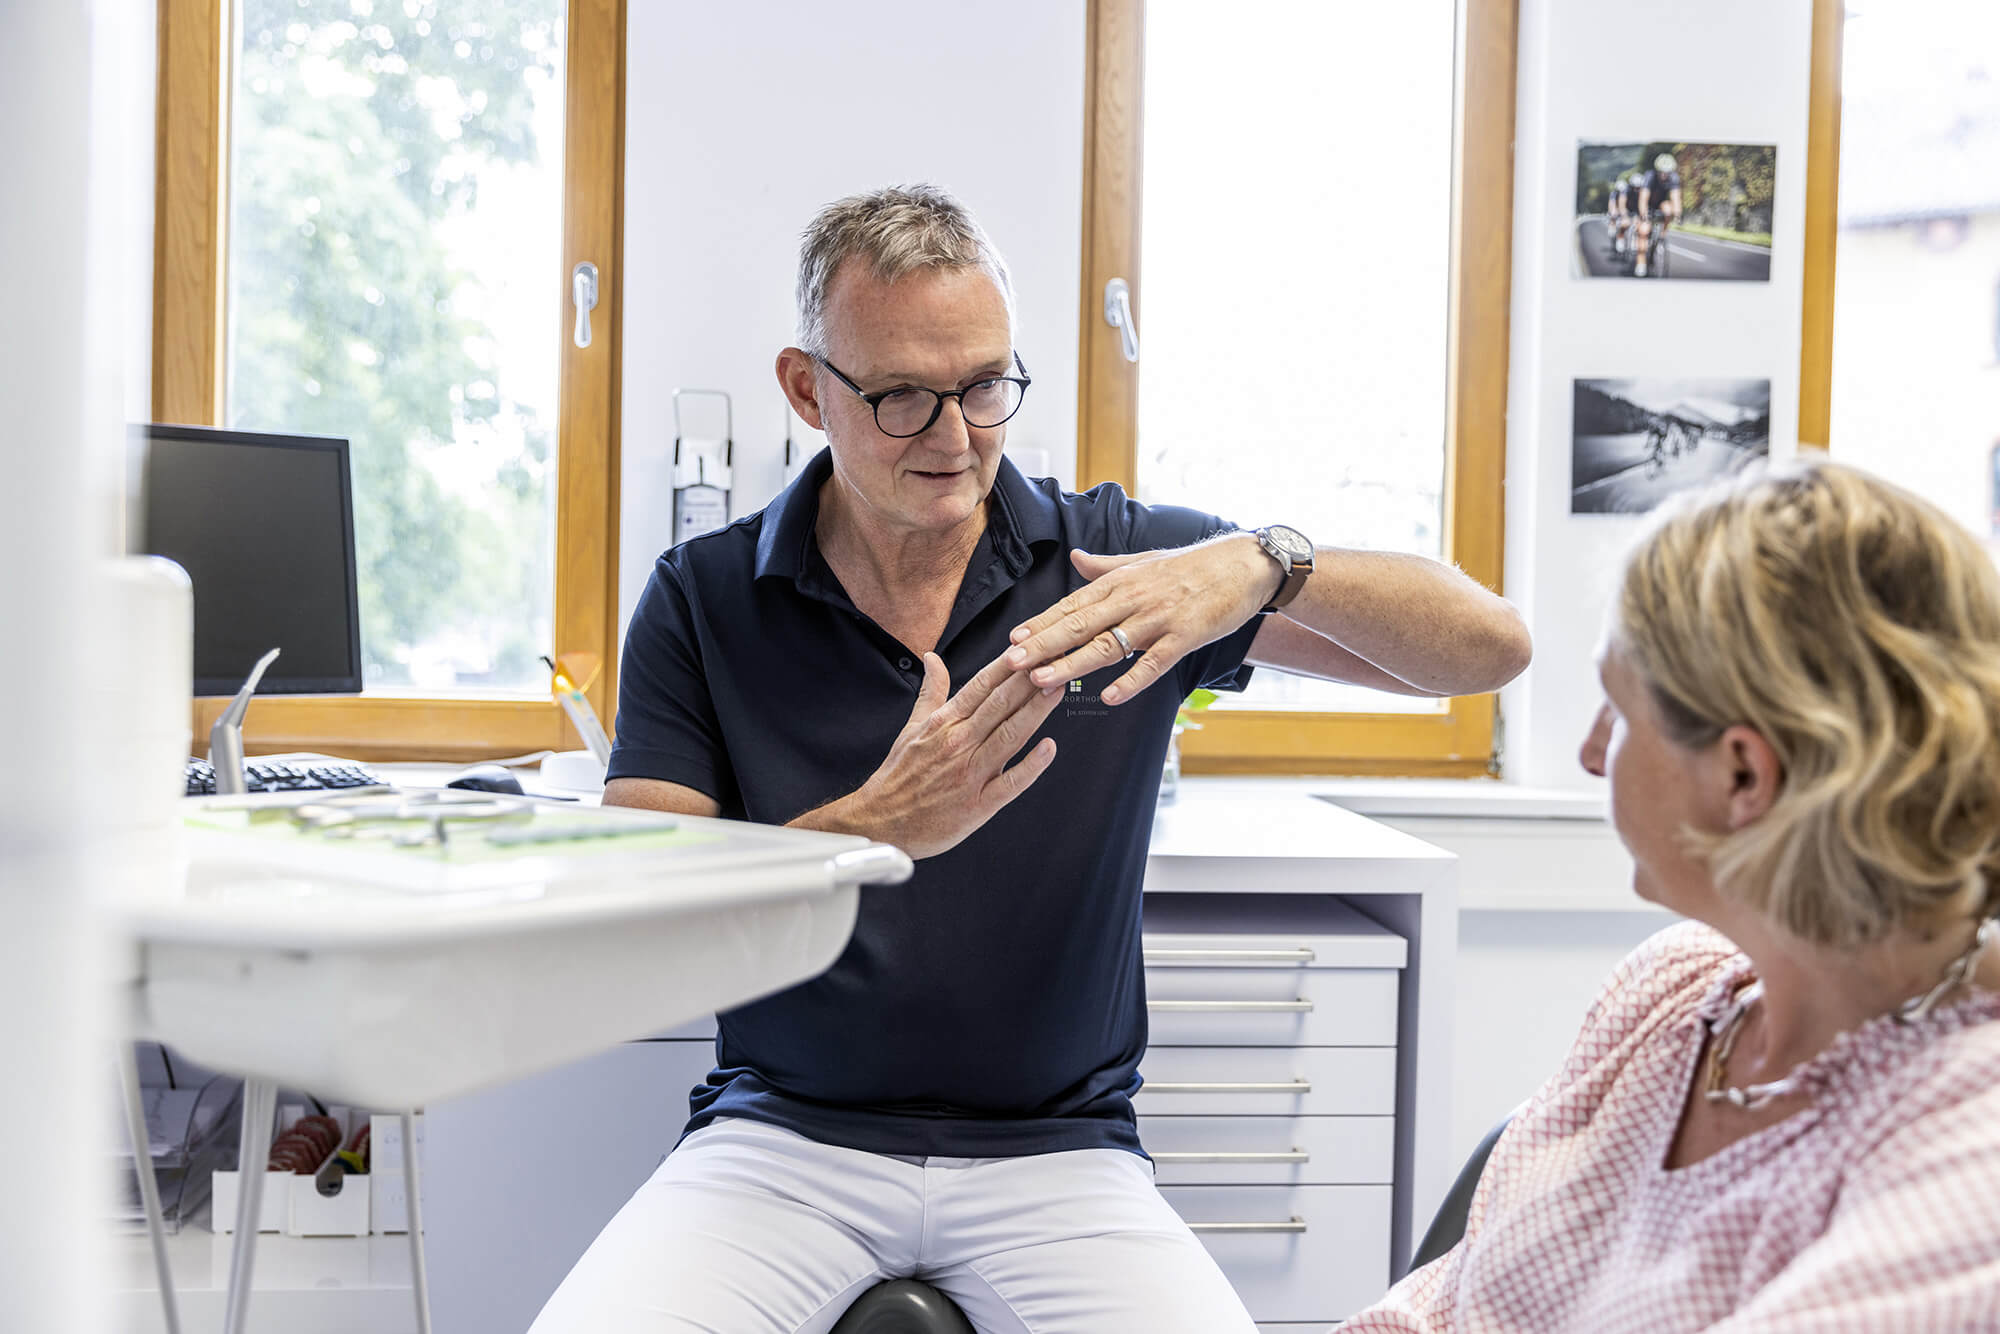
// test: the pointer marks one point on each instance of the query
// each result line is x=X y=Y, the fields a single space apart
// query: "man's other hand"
x=948 y=773
x=1166 y=603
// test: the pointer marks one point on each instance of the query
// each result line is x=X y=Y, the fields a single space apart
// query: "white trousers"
x=750 y=1229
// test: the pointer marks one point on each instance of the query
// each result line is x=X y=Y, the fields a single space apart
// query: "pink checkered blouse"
x=1875 y=1210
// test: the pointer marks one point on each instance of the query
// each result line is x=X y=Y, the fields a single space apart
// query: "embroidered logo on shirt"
x=1079 y=705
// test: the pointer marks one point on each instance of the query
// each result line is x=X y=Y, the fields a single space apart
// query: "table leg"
x=419 y=1281
x=149 y=1187
x=259 y=1105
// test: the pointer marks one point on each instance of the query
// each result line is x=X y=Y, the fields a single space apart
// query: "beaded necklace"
x=1723 y=1032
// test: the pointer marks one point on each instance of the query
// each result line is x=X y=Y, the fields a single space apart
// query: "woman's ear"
x=1755 y=774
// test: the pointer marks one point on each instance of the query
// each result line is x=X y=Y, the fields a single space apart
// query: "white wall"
x=1524 y=982
x=1722 y=72
x=742 y=120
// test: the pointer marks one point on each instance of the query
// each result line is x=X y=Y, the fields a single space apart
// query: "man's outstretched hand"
x=948 y=772
x=1167 y=604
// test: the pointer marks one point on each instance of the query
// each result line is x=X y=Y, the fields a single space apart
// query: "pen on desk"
x=577 y=705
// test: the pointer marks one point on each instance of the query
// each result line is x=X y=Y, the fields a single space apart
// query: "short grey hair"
x=898 y=230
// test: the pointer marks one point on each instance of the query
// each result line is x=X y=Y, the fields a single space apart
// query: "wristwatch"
x=1293 y=551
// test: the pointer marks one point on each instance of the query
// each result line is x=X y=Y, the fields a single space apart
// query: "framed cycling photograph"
x=1674 y=210
x=1633 y=443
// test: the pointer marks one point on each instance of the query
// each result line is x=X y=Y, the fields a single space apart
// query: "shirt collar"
x=1022 y=516
x=787 y=532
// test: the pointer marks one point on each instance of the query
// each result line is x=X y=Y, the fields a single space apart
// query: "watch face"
x=1290 y=541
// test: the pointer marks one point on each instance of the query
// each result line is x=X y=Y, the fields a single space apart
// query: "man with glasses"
x=900 y=646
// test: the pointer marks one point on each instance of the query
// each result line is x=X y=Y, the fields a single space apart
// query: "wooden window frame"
x=1822 y=233
x=189 y=313
x=1458 y=742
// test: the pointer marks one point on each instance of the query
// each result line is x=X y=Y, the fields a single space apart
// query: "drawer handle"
x=1293 y=1224
x=1294 y=1156
x=1299 y=955
x=1290 y=1086
x=1230 y=1007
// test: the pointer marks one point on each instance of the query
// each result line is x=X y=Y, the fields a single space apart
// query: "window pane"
x=1916 y=316
x=395 y=235
x=1295 y=240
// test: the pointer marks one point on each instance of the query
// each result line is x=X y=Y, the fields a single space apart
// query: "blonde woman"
x=1785 y=1114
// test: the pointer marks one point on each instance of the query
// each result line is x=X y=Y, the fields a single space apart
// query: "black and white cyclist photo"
x=1674 y=210
x=1633 y=443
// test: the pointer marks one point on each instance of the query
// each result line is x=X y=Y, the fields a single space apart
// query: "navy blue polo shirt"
x=994 y=1005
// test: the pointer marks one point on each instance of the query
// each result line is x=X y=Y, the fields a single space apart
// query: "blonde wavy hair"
x=1857 y=629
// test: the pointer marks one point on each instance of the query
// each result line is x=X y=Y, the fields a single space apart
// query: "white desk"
x=385 y=996
x=320 y=974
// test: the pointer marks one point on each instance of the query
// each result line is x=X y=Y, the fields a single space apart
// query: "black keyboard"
x=259 y=776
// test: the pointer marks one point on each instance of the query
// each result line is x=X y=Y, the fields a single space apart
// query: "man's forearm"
x=1417 y=619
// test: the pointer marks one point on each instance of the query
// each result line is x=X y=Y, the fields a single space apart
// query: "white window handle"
x=583 y=294
x=1118 y=314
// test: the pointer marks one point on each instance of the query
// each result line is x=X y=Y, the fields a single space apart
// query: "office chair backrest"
x=1448 y=1225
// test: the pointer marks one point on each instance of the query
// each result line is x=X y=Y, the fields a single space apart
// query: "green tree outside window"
x=361 y=133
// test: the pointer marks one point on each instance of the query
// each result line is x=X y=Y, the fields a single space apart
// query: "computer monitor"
x=264 y=526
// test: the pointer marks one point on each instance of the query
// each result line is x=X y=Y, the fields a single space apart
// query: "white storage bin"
x=388 y=1201
x=345 y=1213
x=273 y=1206
x=291 y=1202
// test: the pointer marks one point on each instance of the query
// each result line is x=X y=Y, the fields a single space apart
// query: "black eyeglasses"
x=911 y=410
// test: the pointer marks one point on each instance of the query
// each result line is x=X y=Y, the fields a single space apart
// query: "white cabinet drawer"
x=1294 y=1253
x=1271 y=1007
x=1266 y=930
x=1268 y=1081
x=1270 y=1150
